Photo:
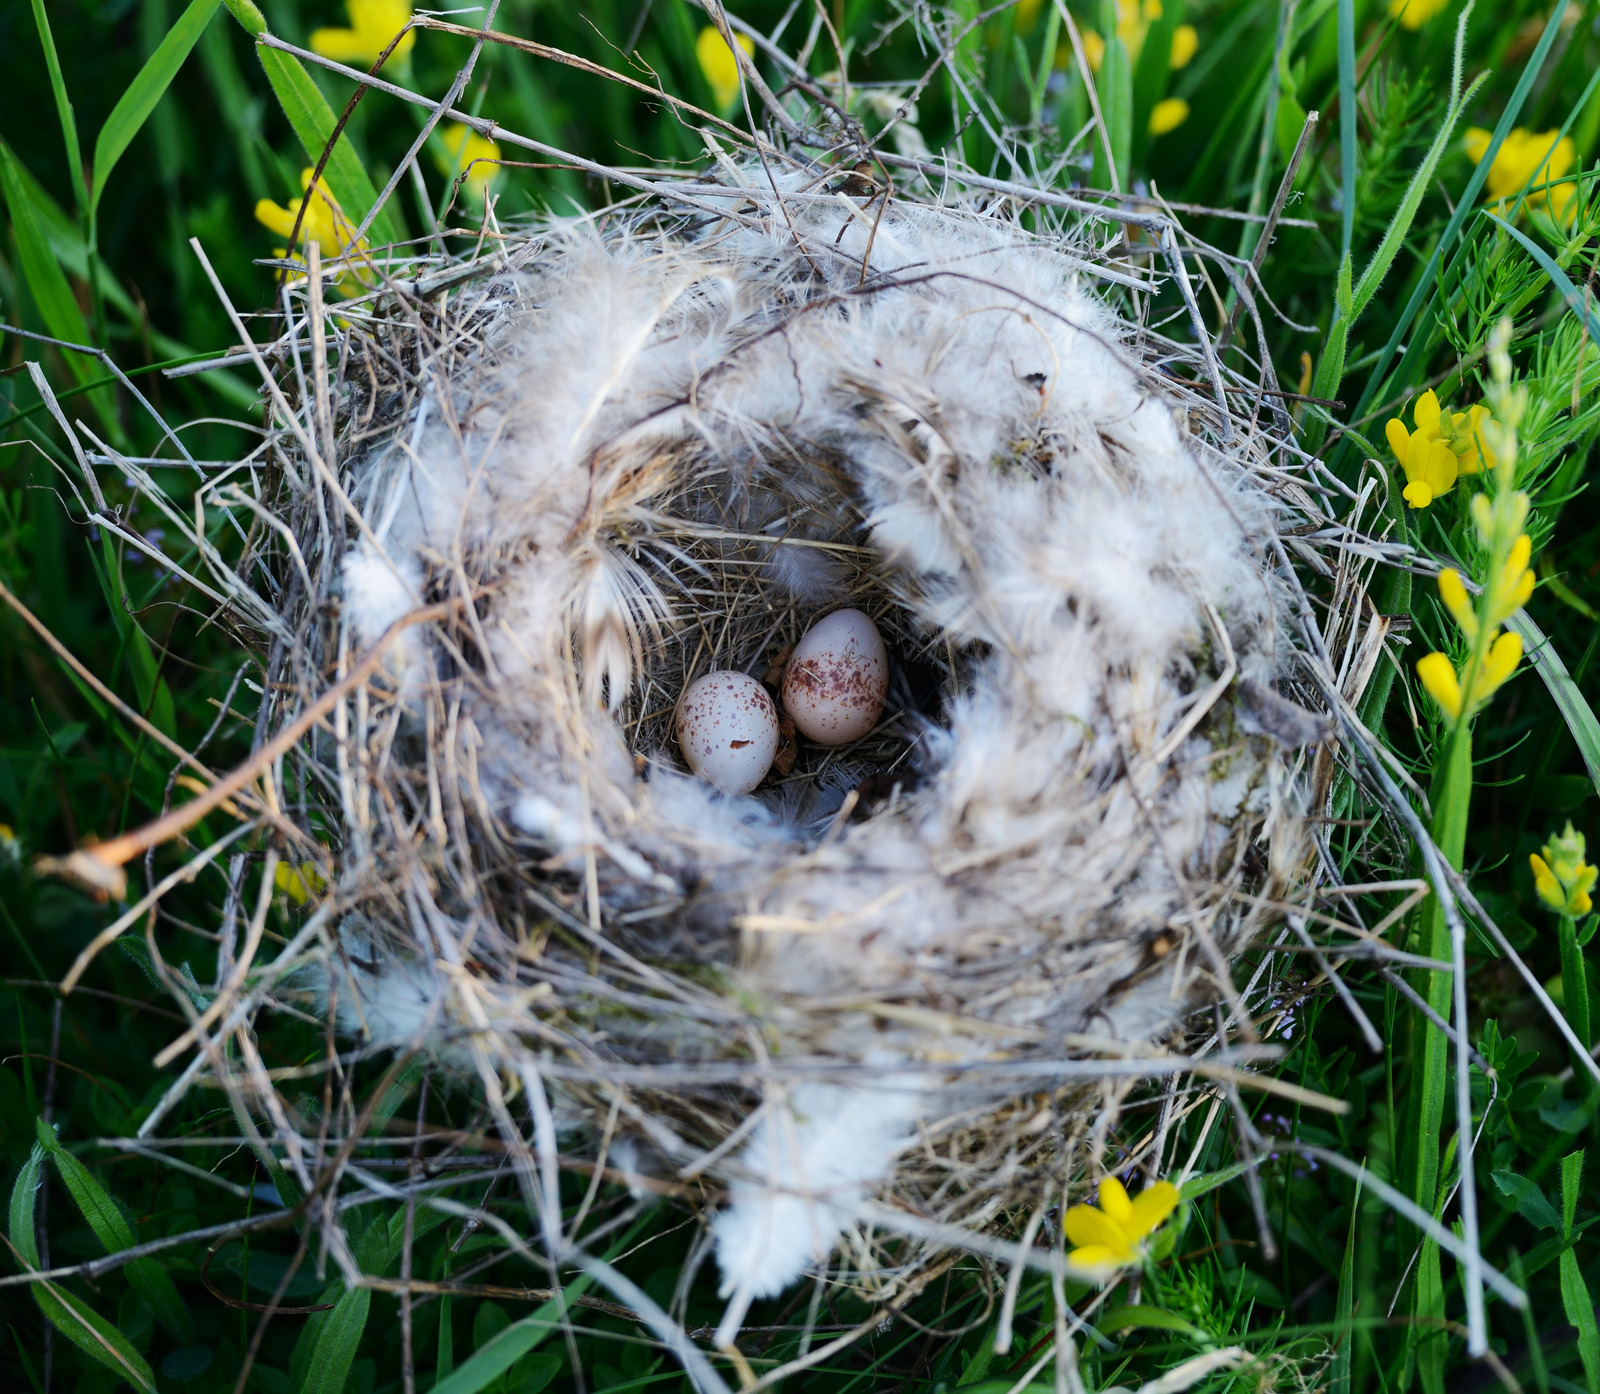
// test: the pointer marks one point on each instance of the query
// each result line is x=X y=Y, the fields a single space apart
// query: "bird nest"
x=514 y=501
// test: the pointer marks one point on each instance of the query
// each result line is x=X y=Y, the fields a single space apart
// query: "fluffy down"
x=971 y=419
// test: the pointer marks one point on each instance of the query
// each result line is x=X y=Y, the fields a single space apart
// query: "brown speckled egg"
x=837 y=679
x=728 y=731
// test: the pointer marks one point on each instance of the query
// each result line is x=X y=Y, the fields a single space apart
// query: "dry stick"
x=1284 y=190
x=101 y=865
x=491 y=130
x=556 y=55
x=462 y=77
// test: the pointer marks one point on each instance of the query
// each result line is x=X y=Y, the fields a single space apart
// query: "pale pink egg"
x=837 y=679
x=728 y=731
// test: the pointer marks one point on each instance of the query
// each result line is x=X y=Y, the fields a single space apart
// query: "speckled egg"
x=728 y=731
x=837 y=679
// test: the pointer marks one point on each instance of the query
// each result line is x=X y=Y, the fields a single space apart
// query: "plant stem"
x=1452 y=794
x=1574 y=988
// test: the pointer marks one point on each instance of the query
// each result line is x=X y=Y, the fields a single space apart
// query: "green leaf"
x=1197 y=1186
x=313 y=121
x=145 y=1276
x=23 y=1194
x=1530 y=1201
x=1570 y=702
x=160 y=1294
x=1132 y=1318
x=109 y=1224
x=93 y=1334
x=133 y=108
x=1574 y=1291
x=510 y=1345
x=46 y=281
x=499 y=1355
x=69 y=122
x=336 y=1343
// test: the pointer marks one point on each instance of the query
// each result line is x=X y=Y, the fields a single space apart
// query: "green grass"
x=1335 y=1299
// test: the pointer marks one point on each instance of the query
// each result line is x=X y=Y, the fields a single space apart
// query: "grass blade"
x=134 y=106
x=1344 y=1308
x=46 y=281
x=1400 y=224
x=1347 y=121
x=58 y=86
x=23 y=1196
x=1570 y=701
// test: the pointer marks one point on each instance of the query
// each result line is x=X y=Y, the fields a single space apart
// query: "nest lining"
x=636 y=456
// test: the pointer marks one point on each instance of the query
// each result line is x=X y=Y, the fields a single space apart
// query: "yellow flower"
x=1454 y=594
x=1439 y=677
x=1429 y=463
x=372 y=24
x=1134 y=18
x=1466 y=439
x=1167 y=115
x=324 y=221
x=1413 y=14
x=473 y=155
x=1525 y=157
x=1026 y=15
x=1561 y=877
x=1508 y=592
x=1185 y=44
x=1449 y=690
x=719 y=65
x=1113 y=1235
x=301 y=882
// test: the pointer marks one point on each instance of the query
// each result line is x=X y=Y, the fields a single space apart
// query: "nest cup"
x=923 y=968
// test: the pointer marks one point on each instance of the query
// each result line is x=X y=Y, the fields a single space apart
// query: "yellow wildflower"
x=1561 y=876
x=1429 y=463
x=324 y=221
x=1525 y=157
x=1428 y=472
x=1413 y=14
x=1167 y=115
x=1134 y=18
x=1185 y=44
x=373 y=23
x=1113 y=1235
x=720 y=66
x=1026 y=15
x=1467 y=440
x=301 y=882
x=1449 y=691
x=473 y=155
